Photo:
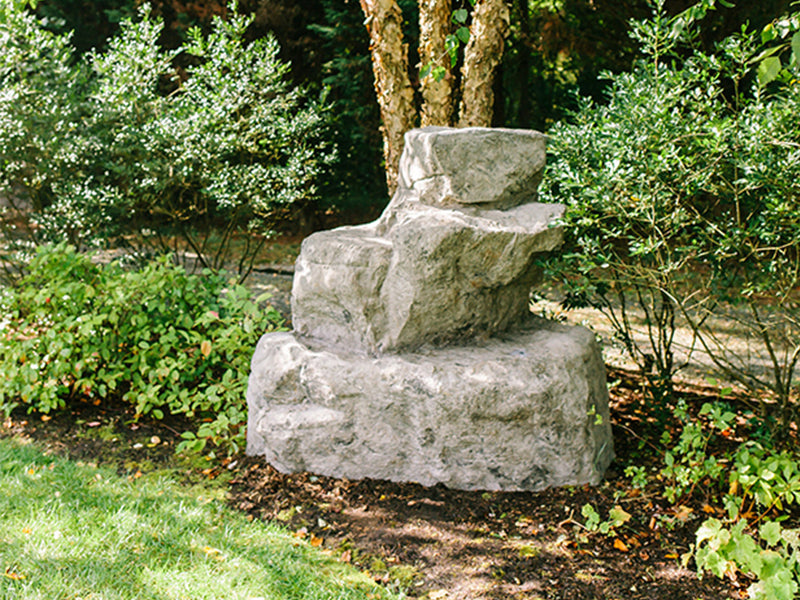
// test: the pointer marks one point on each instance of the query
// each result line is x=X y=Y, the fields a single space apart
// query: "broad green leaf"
x=768 y=70
x=619 y=515
x=463 y=34
x=781 y=586
x=770 y=532
x=796 y=48
x=460 y=15
x=708 y=530
x=747 y=554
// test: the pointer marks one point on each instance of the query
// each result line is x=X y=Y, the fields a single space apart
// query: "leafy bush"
x=684 y=198
x=762 y=486
x=157 y=338
x=757 y=485
x=123 y=143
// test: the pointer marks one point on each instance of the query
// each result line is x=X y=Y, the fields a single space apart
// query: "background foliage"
x=684 y=199
x=122 y=144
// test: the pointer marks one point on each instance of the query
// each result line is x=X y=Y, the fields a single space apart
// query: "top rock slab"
x=495 y=168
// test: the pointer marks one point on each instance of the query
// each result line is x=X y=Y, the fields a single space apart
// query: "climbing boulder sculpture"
x=414 y=356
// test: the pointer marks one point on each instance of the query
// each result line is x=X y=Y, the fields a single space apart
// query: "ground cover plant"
x=73 y=530
x=160 y=339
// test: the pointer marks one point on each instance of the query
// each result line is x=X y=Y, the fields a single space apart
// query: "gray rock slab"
x=522 y=411
x=436 y=275
x=454 y=275
x=336 y=293
x=495 y=167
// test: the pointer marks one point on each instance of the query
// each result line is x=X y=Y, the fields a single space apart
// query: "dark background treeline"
x=557 y=49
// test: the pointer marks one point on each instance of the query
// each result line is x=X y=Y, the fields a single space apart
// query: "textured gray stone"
x=495 y=167
x=402 y=364
x=436 y=275
x=523 y=411
x=336 y=293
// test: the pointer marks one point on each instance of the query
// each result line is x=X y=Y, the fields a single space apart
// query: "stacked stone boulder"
x=414 y=356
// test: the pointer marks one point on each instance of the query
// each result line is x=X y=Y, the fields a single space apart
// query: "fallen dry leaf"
x=620 y=545
x=682 y=513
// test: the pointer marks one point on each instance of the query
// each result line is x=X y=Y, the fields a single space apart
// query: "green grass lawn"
x=70 y=531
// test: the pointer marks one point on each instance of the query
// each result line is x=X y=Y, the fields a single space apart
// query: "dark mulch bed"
x=440 y=543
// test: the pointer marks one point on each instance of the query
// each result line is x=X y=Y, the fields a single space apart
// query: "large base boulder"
x=521 y=411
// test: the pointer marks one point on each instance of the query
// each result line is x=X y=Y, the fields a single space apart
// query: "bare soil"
x=435 y=542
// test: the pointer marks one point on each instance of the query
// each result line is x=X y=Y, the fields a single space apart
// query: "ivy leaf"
x=462 y=33
x=619 y=515
x=770 y=532
x=796 y=48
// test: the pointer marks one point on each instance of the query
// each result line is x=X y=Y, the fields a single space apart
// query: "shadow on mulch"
x=435 y=542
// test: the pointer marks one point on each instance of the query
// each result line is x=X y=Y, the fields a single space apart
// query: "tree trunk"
x=490 y=26
x=384 y=22
x=437 y=97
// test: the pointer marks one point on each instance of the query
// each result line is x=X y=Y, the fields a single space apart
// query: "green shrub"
x=757 y=485
x=683 y=197
x=157 y=338
x=122 y=143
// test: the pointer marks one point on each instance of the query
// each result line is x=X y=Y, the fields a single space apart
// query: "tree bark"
x=484 y=51
x=384 y=22
x=437 y=96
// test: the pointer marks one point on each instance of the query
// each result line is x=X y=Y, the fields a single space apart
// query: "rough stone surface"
x=430 y=271
x=436 y=275
x=500 y=168
x=520 y=412
x=402 y=364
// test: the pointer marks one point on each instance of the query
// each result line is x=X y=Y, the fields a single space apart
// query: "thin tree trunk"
x=484 y=51
x=384 y=22
x=437 y=96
